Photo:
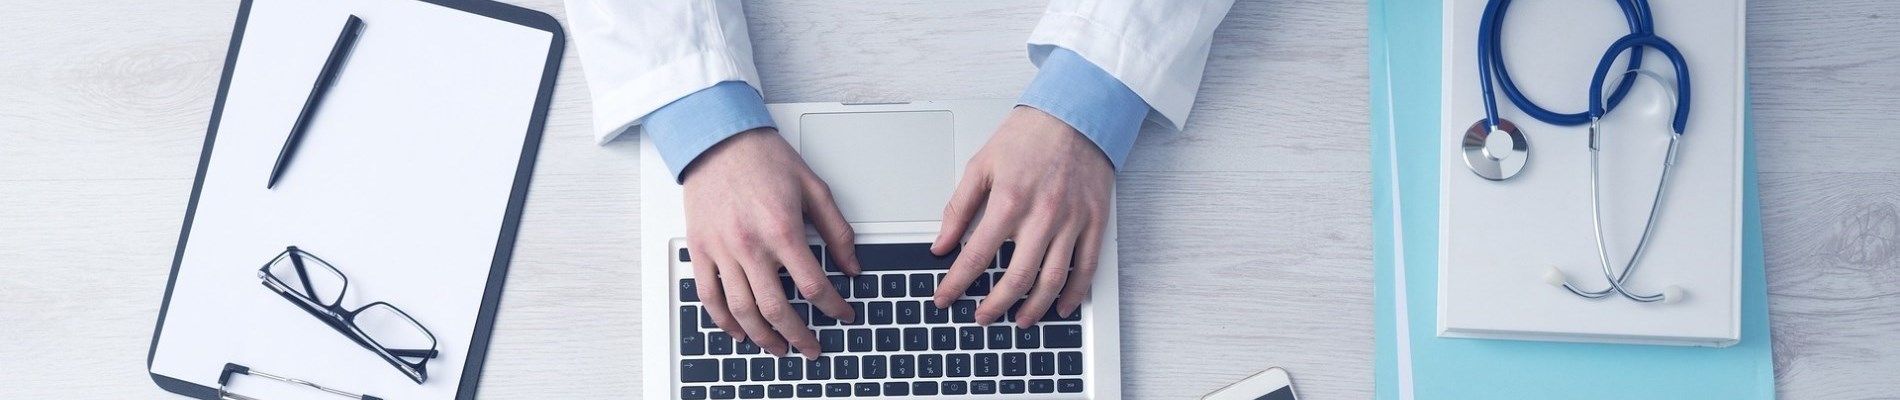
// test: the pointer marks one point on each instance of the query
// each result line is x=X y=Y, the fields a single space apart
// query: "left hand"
x=1044 y=185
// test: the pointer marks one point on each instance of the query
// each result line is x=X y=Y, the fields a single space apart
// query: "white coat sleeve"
x=1158 y=48
x=640 y=55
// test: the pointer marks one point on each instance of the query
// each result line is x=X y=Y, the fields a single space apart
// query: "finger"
x=1055 y=272
x=840 y=240
x=778 y=311
x=811 y=282
x=1087 y=257
x=706 y=272
x=969 y=196
x=976 y=255
x=745 y=308
x=1019 y=275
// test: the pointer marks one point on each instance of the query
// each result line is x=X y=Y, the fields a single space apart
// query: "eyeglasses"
x=317 y=287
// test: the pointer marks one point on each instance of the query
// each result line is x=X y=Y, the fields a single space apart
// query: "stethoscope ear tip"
x=1672 y=294
x=1555 y=277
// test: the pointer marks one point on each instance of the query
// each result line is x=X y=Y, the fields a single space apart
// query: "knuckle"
x=813 y=290
x=1019 y=285
x=775 y=310
x=742 y=308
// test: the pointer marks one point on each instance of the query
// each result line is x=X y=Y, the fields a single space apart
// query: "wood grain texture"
x=1250 y=230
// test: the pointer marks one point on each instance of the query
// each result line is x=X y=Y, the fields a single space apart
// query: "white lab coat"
x=640 y=55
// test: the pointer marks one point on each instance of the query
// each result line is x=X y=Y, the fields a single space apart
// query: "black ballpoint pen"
x=345 y=42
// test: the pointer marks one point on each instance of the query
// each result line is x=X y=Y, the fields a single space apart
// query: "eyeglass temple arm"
x=224 y=379
x=430 y=353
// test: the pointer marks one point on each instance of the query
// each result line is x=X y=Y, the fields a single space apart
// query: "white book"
x=1499 y=239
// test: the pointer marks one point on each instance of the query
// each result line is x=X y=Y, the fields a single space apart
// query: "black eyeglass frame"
x=344 y=320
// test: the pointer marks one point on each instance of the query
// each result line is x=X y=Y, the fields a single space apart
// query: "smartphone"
x=1272 y=384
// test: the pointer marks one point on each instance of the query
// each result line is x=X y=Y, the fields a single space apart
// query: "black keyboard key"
x=751 y=391
x=908 y=313
x=791 y=369
x=864 y=287
x=867 y=389
x=953 y=388
x=693 y=393
x=1014 y=310
x=689 y=293
x=718 y=343
x=896 y=389
x=1005 y=254
x=762 y=369
x=916 y=339
x=803 y=311
x=983 y=387
x=747 y=347
x=943 y=338
x=959 y=366
x=699 y=370
x=923 y=285
x=860 y=340
x=818 y=369
x=685 y=256
x=1069 y=363
x=923 y=389
x=790 y=288
x=1010 y=386
x=1042 y=364
x=1042 y=386
x=847 y=367
x=880 y=312
x=1029 y=338
x=892 y=286
x=1054 y=314
x=970 y=338
x=902 y=256
x=903 y=366
x=1000 y=337
x=1015 y=364
x=818 y=254
x=734 y=369
x=987 y=365
x=693 y=344
x=1069 y=385
x=842 y=284
x=705 y=320
x=934 y=315
x=1062 y=336
x=689 y=319
x=930 y=366
x=837 y=390
x=810 y=390
x=779 y=391
x=875 y=367
x=888 y=339
x=818 y=318
x=979 y=286
x=722 y=392
x=857 y=312
x=963 y=311
x=831 y=340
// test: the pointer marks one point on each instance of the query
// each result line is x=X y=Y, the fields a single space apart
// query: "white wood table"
x=1246 y=239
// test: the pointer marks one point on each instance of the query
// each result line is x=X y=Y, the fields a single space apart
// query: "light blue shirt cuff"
x=687 y=127
x=1090 y=100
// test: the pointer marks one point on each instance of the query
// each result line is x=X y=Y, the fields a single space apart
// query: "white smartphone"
x=1272 y=384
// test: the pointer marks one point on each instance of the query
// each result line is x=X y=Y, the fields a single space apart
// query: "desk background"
x=1245 y=239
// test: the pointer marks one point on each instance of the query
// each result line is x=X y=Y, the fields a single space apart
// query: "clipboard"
x=336 y=169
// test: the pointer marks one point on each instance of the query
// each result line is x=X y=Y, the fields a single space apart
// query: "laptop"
x=891 y=168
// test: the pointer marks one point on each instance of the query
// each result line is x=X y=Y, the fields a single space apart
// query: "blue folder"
x=1405 y=51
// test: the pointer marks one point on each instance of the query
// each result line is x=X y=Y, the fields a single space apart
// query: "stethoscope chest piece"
x=1493 y=156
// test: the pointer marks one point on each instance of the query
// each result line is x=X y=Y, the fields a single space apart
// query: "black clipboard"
x=517 y=198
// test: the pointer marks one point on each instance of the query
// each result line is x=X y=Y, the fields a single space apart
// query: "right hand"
x=747 y=199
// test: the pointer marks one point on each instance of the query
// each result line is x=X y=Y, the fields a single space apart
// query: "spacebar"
x=901 y=257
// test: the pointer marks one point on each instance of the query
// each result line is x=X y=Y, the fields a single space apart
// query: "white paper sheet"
x=401 y=182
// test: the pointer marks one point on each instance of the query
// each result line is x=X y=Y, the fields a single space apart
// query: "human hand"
x=747 y=199
x=1044 y=185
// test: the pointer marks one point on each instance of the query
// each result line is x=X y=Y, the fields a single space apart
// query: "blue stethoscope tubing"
x=1642 y=36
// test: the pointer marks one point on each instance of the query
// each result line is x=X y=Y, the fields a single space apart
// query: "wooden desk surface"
x=103 y=107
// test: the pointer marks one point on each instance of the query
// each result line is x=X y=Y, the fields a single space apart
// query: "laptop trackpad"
x=883 y=166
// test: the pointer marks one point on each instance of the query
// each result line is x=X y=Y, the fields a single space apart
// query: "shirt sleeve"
x=1090 y=100
x=683 y=129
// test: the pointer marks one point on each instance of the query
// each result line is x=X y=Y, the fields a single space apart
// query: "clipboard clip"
x=224 y=379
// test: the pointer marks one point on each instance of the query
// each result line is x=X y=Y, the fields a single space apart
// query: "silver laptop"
x=891 y=168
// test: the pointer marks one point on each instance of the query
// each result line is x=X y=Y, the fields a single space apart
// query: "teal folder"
x=1412 y=362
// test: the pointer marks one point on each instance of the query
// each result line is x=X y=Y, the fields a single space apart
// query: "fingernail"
x=738 y=337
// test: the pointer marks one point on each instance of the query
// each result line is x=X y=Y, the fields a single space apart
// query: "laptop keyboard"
x=899 y=345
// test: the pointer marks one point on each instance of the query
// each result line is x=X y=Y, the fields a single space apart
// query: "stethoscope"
x=1495 y=162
